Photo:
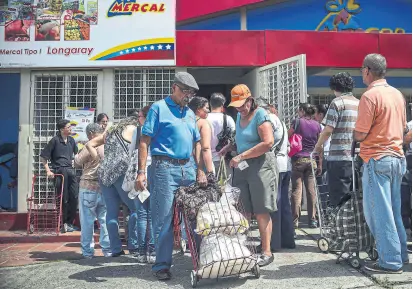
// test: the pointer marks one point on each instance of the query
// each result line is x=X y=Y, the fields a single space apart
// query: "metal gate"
x=136 y=88
x=284 y=84
x=51 y=93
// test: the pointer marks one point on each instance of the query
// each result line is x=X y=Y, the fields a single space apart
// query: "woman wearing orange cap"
x=255 y=172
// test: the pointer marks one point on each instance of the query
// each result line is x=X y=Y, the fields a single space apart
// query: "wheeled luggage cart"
x=343 y=229
x=232 y=249
x=45 y=206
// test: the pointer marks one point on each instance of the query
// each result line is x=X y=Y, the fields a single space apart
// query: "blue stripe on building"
x=225 y=22
x=323 y=81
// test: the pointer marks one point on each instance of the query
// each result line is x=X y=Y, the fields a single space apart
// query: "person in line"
x=111 y=173
x=102 y=119
x=216 y=119
x=91 y=202
x=255 y=171
x=199 y=105
x=339 y=126
x=171 y=132
x=320 y=113
x=309 y=130
x=406 y=190
x=282 y=220
x=60 y=152
x=146 y=241
x=380 y=127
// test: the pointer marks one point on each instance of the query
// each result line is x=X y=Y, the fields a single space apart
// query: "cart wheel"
x=323 y=244
x=373 y=254
x=256 y=271
x=183 y=246
x=355 y=263
x=194 y=279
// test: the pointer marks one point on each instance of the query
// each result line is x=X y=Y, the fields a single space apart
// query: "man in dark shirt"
x=60 y=152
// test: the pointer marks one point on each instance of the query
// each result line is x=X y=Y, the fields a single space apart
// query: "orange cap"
x=239 y=94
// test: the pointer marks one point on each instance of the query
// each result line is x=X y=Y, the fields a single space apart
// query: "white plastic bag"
x=230 y=195
x=221 y=255
x=214 y=217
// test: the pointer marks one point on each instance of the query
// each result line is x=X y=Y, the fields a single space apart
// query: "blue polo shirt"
x=172 y=129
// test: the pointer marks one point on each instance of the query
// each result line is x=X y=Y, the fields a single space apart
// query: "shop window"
x=52 y=93
x=136 y=88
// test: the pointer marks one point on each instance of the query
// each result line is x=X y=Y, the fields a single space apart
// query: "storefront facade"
x=221 y=43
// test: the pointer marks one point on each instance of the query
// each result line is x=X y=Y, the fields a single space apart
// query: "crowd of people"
x=182 y=139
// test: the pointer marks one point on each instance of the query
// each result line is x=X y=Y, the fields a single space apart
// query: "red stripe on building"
x=187 y=9
x=149 y=55
x=397 y=48
x=257 y=48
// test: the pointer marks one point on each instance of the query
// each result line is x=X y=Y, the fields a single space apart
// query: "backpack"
x=296 y=140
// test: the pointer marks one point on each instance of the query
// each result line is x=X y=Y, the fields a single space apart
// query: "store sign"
x=87 y=33
x=79 y=119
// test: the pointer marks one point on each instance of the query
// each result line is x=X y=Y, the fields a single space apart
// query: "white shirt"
x=326 y=143
x=282 y=156
x=216 y=119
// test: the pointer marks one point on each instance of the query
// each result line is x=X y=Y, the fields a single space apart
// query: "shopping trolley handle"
x=353 y=149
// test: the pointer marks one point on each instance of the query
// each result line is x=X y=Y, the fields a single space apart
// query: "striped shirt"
x=342 y=116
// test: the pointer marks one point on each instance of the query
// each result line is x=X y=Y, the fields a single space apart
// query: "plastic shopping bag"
x=214 y=217
x=221 y=255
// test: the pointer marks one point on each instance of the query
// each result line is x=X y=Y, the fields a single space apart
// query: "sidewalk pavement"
x=403 y=280
x=303 y=267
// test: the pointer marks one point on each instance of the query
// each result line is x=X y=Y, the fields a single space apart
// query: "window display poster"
x=86 y=33
x=79 y=119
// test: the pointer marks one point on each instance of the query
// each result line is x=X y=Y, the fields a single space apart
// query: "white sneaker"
x=107 y=254
x=142 y=258
x=151 y=259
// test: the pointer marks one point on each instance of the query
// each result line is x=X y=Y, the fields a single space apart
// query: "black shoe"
x=163 y=275
x=121 y=253
x=258 y=249
x=133 y=252
x=378 y=269
x=265 y=260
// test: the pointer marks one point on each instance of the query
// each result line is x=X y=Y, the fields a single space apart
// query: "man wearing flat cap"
x=171 y=131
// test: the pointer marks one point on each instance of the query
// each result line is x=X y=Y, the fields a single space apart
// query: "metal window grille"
x=136 y=88
x=52 y=93
x=290 y=90
x=321 y=99
x=283 y=84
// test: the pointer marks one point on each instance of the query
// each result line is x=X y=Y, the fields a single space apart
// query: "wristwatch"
x=140 y=172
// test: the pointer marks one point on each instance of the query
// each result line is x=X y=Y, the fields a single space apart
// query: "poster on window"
x=79 y=119
x=87 y=33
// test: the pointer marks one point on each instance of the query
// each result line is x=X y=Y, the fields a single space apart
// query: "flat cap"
x=186 y=79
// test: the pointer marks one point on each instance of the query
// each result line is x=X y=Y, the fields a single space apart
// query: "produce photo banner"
x=86 y=33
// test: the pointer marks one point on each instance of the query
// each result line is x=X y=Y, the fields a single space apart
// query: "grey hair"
x=93 y=128
x=262 y=102
x=376 y=63
x=217 y=100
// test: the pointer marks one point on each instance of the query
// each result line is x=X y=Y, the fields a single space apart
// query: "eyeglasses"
x=361 y=69
x=187 y=91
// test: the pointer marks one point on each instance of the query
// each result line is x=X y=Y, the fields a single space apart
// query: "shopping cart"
x=343 y=229
x=45 y=206
x=224 y=247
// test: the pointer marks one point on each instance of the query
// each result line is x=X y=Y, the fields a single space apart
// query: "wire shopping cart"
x=219 y=240
x=45 y=206
x=343 y=229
